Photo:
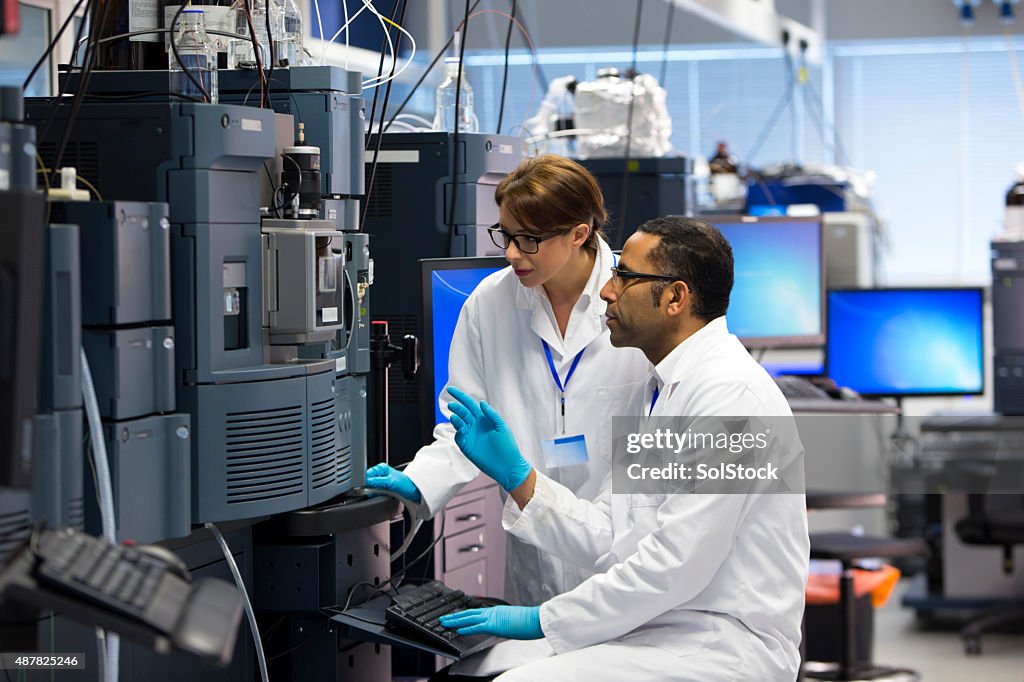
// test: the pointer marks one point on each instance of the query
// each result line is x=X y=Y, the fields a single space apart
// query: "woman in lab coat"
x=531 y=340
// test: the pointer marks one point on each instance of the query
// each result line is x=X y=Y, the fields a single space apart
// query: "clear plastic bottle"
x=241 y=49
x=444 y=104
x=290 y=46
x=197 y=55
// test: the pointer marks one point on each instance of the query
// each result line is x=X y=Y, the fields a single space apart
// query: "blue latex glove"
x=510 y=622
x=384 y=477
x=485 y=440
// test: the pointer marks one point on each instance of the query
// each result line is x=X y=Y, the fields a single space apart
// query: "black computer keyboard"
x=416 y=612
x=142 y=593
x=120 y=578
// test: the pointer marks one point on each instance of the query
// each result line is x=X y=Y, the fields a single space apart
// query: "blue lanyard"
x=554 y=375
x=654 y=400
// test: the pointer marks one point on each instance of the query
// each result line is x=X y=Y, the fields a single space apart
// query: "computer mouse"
x=175 y=564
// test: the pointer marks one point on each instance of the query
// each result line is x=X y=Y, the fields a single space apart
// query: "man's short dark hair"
x=697 y=253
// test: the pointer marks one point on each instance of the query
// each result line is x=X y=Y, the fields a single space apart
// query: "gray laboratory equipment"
x=654 y=187
x=126 y=259
x=328 y=102
x=411 y=203
x=22 y=262
x=150 y=478
x=304 y=295
x=57 y=457
x=1008 y=326
x=133 y=370
x=250 y=418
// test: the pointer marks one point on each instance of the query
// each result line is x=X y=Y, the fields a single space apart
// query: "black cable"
x=380 y=74
x=257 y=54
x=383 y=110
x=177 y=57
x=140 y=95
x=89 y=62
x=620 y=232
x=299 y=645
x=271 y=54
x=668 y=39
x=58 y=99
x=295 y=103
x=504 y=77
x=52 y=45
x=426 y=72
x=841 y=156
x=455 y=137
x=770 y=124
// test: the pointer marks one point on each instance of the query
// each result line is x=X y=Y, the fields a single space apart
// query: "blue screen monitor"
x=906 y=342
x=447 y=283
x=779 y=290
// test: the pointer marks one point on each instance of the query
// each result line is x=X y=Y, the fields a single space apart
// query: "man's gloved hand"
x=485 y=440
x=510 y=622
x=386 y=478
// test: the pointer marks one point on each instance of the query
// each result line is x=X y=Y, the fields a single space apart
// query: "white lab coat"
x=687 y=588
x=497 y=355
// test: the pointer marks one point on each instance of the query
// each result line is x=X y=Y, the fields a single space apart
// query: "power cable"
x=83 y=85
x=426 y=72
x=620 y=233
x=504 y=78
x=383 y=109
x=52 y=45
x=455 y=136
x=667 y=41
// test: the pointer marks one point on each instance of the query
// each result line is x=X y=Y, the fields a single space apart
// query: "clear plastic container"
x=290 y=45
x=197 y=55
x=241 y=49
x=444 y=104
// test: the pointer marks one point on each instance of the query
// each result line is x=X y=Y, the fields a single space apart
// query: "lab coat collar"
x=589 y=310
x=677 y=364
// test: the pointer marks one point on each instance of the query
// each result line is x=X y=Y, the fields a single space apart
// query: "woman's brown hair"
x=548 y=193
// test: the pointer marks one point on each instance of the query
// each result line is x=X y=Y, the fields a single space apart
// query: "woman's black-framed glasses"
x=620 y=276
x=525 y=243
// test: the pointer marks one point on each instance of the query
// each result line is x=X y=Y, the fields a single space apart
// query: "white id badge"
x=564 y=451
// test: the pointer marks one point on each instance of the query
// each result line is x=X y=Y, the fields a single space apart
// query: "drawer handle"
x=470 y=548
x=469 y=517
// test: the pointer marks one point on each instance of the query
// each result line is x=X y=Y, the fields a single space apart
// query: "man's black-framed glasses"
x=619 y=277
x=525 y=243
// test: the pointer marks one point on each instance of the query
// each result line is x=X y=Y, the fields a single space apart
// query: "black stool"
x=847 y=549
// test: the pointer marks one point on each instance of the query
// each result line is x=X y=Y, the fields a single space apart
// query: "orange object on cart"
x=824 y=589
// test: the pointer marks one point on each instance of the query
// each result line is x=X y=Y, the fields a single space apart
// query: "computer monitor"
x=778 y=298
x=446 y=284
x=906 y=342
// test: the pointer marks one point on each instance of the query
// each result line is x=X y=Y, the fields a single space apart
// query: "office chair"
x=848 y=549
x=992 y=520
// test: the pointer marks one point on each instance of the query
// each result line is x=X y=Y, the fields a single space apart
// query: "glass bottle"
x=193 y=66
x=241 y=51
x=444 y=103
x=290 y=45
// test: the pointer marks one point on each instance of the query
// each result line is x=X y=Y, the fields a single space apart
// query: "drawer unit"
x=463 y=517
x=471 y=578
x=464 y=548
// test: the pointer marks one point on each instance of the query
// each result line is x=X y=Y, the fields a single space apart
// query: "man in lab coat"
x=687 y=587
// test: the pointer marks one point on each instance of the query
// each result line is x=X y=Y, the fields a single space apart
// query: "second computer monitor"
x=447 y=284
x=906 y=342
x=778 y=295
